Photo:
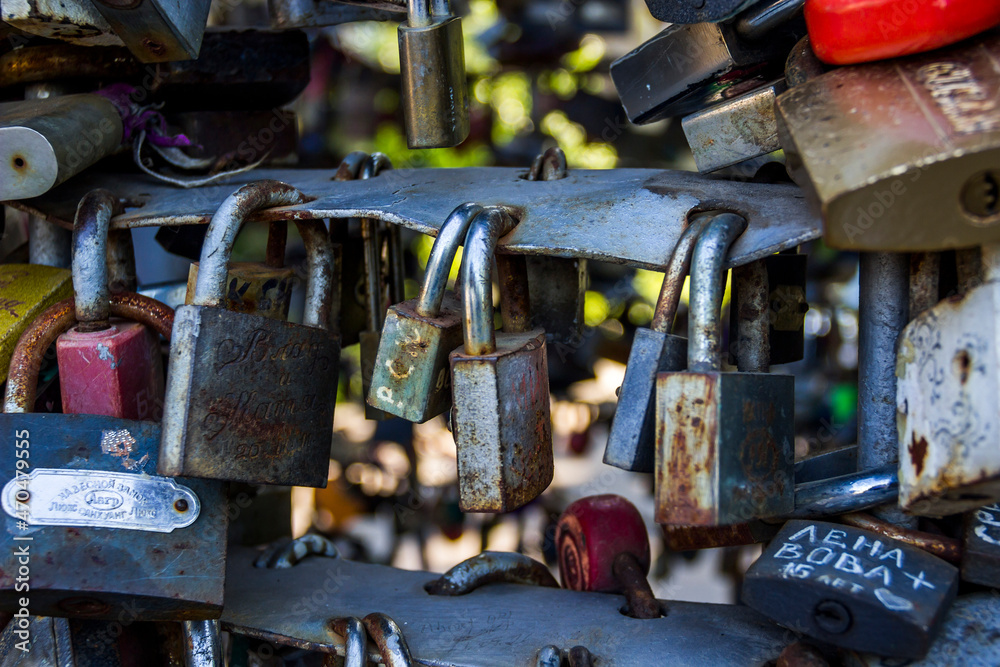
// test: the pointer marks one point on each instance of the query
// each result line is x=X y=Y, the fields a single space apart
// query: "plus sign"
x=919 y=581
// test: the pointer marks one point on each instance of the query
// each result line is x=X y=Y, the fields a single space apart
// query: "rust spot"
x=962 y=363
x=918 y=452
x=153 y=46
x=19 y=163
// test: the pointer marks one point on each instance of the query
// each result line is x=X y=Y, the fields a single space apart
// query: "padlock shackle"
x=677 y=271
x=22 y=379
x=708 y=273
x=225 y=226
x=477 y=279
x=350 y=166
x=449 y=237
x=90 y=259
x=418 y=13
x=373 y=165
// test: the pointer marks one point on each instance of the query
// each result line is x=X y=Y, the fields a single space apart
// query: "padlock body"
x=948 y=414
x=435 y=94
x=117 y=372
x=248 y=399
x=895 y=595
x=981 y=546
x=369 y=342
x=412 y=376
x=724 y=447
x=253 y=287
x=899 y=155
x=632 y=440
x=500 y=420
x=92 y=532
x=25 y=291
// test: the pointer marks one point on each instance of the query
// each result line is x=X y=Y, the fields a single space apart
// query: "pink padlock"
x=107 y=366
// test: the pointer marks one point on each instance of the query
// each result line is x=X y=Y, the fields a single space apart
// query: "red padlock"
x=107 y=366
x=843 y=32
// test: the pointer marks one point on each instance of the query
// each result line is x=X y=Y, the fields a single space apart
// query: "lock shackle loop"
x=677 y=271
x=389 y=640
x=225 y=226
x=418 y=13
x=90 y=259
x=708 y=274
x=375 y=165
x=29 y=353
x=477 y=279
x=449 y=237
x=355 y=640
x=350 y=167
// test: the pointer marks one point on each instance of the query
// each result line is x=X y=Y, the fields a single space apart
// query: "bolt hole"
x=980 y=197
x=181 y=505
x=19 y=162
x=154 y=47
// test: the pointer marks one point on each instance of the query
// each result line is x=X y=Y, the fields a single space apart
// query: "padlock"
x=88 y=524
x=253 y=287
x=787 y=306
x=411 y=377
x=981 y=546
x=106 y=367
x=865 y=141
x=632 y=440
x=250 y=398
x=852 y=588
x=724 y=441
x=603 y=546
x=845 y=32
x=734 y=130
x=435 y=94
x=25 y=291
x=946 y=409
x=500 y=388
x=687 y=68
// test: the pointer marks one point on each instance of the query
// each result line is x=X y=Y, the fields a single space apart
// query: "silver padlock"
x=435 y=94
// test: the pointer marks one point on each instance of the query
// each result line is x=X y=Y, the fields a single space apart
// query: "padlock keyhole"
x=981 y=196
x=833 y=617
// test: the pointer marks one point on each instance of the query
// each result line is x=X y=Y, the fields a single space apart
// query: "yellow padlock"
x=25 y=291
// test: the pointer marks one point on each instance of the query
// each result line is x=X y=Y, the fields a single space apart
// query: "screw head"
x=832 y=616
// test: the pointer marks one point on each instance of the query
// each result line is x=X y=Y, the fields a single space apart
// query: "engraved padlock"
x=435 y=92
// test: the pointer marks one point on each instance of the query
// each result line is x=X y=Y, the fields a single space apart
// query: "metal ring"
x=491 y=567
x=90 y=266
x=355 y=640
x=389 y=640
x=677 y=270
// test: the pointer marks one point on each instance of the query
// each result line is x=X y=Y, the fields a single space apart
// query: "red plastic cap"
x=591 y=533
x=843 y=32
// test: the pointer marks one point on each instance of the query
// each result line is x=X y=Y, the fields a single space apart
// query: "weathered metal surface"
x=735 y=129
x=500 y=387
x=28 y=289
x=491 y=567
x=801 y=654
x=497 y=625
x=833 y=463
x=946 y=401
x=867 y=140
x=202 y=644
x=44 y=142
x=158 y=31
x=969 y=637
x=686 y=68
x=54 y=61
x=316 y=13
x=249 y=398
x=724 y=441
x=925 y=268
x=624 y=216
x=852 y=588
x=435 y=90
x=292 y=553
x=254 y=288
x=392 y=647
x=632 y=439
x=846 y=493
x=355 y=640
x=786 y=309
x=78 y=22
x=981 y=546
x=98 y=572
x=695 y=12
x=941 y=546
x=631 y=576
x=686 y=538
x=753 y=317
x=90 y=267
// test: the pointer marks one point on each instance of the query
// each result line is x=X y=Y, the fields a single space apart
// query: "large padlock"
x=865 y=141
x=852 y=588
x=632 y=440
x=106 y=367
x=946 y=401
x=412 y=378
x=981 y=546
x=250 y=398
x=89 y=529
x=25 y=291
x=724 y=450
x=432 y=70
x=500 y=388
x=254 y=287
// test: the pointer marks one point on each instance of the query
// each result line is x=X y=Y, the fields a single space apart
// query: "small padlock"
x=632 y=440
x=981 y=546
x=25 y=291
x=412 y=378
x=435 y=92
x=88 y=525
x=106 y=367
x=852 y=588
x=724 y=450
x=253 y=287
x=946 y=401
x=500 y=387
x=900 y=155
x=250 y=398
